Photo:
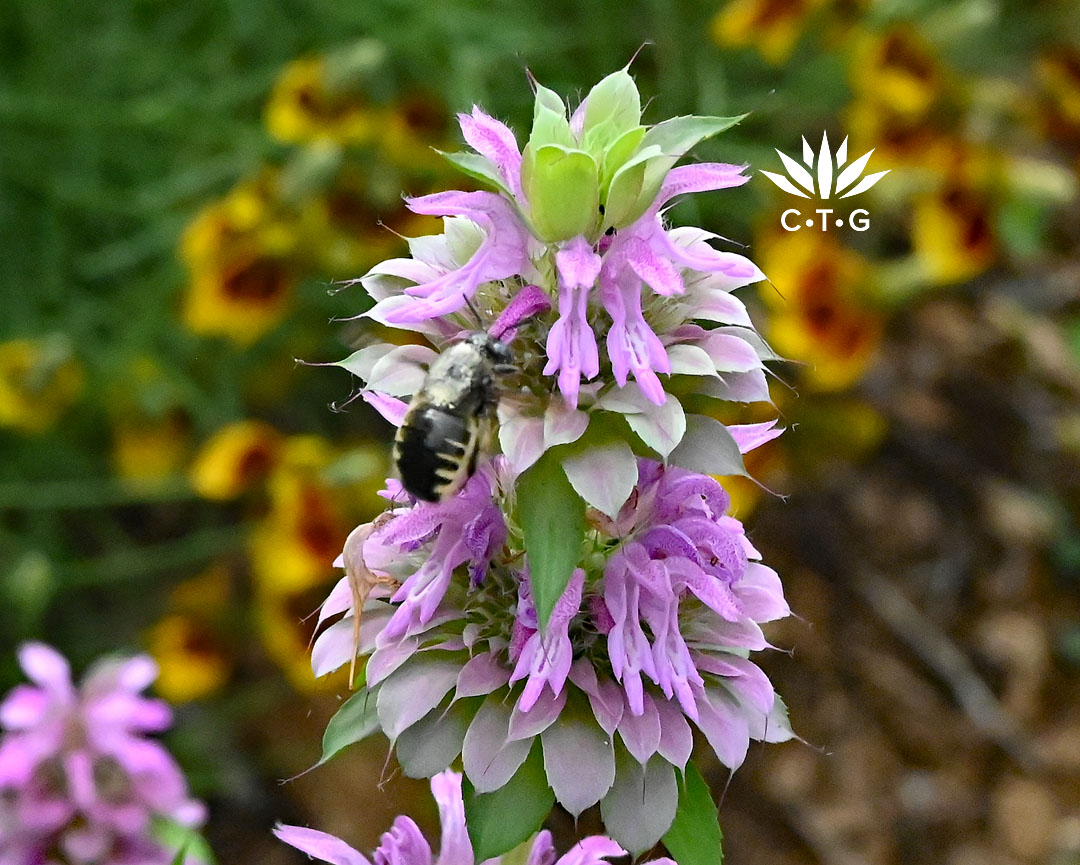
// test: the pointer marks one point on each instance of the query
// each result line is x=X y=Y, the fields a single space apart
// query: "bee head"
x=496 y=352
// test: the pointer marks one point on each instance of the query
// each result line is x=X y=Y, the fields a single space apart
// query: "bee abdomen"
x=435 y=451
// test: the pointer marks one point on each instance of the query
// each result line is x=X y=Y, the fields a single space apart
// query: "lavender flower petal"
x=502 y=254
x=455 y=847
x=412 y=692
x=494 y=140
x=489 y=757
x=641 y=804
x=579 y=760
x=320 y=845
x=481 y=675
x=432 y=743
x=593 y=850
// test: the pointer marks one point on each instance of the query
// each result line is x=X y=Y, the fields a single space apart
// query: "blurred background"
x=181 y=184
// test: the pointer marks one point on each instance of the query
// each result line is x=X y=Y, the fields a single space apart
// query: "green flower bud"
x=550 y=125
x=561 y=186
x=612 y=108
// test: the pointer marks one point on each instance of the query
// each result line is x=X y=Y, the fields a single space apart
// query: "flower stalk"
x=558 y=624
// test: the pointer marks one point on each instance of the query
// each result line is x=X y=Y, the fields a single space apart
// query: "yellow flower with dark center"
x=307 y=105
x=286 y=625
x=898 y=69
x=773 y=27
x=188 y=642
x=820 y=314
x=349 y=230
x=193 y=664
x=147 y=450
x=39 y=380
x=235 y=457
x=897 y=139
x=294 y=546
x=239 y=255
x=952 y=232
x=414 y=125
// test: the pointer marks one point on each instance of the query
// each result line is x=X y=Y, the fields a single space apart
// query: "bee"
x=451 y=418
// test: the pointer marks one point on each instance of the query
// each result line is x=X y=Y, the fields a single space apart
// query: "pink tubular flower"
x=495 y=141
x=653 y=601
x=614 y=283
x=82 y=780
x=571 y=344
x=679 y=543
x=467 y=528
x=544 y=659
x=502 y=253
x=650 y=635
x=405 y=845
x=631 y=343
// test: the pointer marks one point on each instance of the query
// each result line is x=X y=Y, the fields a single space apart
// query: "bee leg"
x=487 y=424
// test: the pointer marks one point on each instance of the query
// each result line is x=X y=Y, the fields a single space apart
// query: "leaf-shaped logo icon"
x=835 y=175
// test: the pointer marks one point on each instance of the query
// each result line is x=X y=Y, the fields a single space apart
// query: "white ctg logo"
x=834 y=177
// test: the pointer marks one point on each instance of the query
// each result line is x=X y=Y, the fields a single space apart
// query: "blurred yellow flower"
x=952 y=229
x=235 y=457
x=294 y=546
x=205 y=594
x=897 y=69
x=238 y=252
x=952 y=233
x=39 y=380
x=193 y=664
x=898 y=84
x=195 y=661
x=414 y=125
x=307 y=105
x=897 y=139
x=348 y=232
x=150 y=449
x=773 y=27
x=820 y=315
x=1058 y=72
x=286 y=625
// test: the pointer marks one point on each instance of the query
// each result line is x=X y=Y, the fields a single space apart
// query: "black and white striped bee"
x=451 y=418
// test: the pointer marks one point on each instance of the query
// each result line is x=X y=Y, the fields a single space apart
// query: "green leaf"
x=676 y=136
x=614 y=100
x=612 y=108
x=550 y=125
x=478 y=167
x=500 y=821
x=190 y=846
x=354 y=721
x=562 y=192
x=552 y=517
x=673 y=138
x=695 y=837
